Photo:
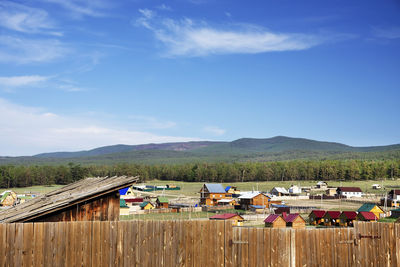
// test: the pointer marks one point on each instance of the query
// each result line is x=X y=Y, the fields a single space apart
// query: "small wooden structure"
x=294 y=220
x=147 y=206
x=372 y=208
x=331 y=218
x=162 y=202
x=275 y=221
x=316 y=217
x=91 y=199
x=8 y=198
x=366 y=216
x=347 y=218
x=123 y=208
x=236 y=218
x=279 y=191
x=256 y=199
x=211 y=193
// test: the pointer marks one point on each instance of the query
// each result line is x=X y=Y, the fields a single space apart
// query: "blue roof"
x=123 y=191
x=278 y=206
x=257 y=206
x=227 y=188
x=215 y=188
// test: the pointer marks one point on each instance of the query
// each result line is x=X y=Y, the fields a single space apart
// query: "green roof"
x=162 y=199
x=4 y=196
x=366 y=207
x=122 y=203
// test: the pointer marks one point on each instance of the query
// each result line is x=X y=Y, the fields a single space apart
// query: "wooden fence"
x=195 y=243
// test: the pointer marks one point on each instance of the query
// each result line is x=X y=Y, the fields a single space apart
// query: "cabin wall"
x=103 y=208
x=260 y=200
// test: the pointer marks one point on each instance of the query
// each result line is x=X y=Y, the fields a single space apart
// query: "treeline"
x=22 y=176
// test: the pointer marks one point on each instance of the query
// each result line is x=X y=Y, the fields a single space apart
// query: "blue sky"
x=80 y=74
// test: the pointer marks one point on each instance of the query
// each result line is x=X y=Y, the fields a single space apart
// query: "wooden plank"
x=228 y=244
x=96 y=243
x=38 y=244
x=70 y=242
x=10 y=247
x=197 y=245
x=18 y=243
x=120 y=235
x=60 y=244
x=188 y=257
x=267 y=247
x=3 y=244
x=105 y=245
x=397 y=238
x=221 y=243
x=252 y=247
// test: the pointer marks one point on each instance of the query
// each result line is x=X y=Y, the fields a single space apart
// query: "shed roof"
x=225 y=216
x=281 y=190
x=333 y=214
x=318 y=213
x=162 y=199
x=250 y=195
x=271 y=218
x=367 y=215
x=291 y=217
x=351 y=215
x=144 y=204
x=122 y=203
x=215 y=188
x=227 y=188
x=368 y=207
x=64 y=197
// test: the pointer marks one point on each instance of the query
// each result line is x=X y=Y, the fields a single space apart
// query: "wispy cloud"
x=214 y=130
x=164 y=7
x=79 y=8
x=30 y=130
x=189 y=38
x=386 y=33
x=23 y=51
x=21 y=18
x=17 y=81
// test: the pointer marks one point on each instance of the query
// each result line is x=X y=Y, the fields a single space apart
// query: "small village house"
x=394 y=194
x=316 y=217
x=123 y=208
x=372 y=208
x=331 y=218
x=366 y=216
x=211 y=193
x=147 y=206
x=331 y=191
x=253 y=199
x=347 y=218
x=279 y=191
x=232 y=191
x=376 y=186
x=162 y=202
x=349 y=192
x=275 y=221
x=236 y=219
x=294 y=190
x=294 y=220
x=8 y=198
x=321 y=185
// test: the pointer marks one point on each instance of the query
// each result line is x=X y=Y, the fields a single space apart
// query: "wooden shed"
x=371 y=207
x=162 y=203
x=254 y=199
x=294 y=220
x=347 y=218
x=8 y=198
x=316 y=217
x=91 y=199
x=123 y=208
x=275 y=221
x=147 y=206
x=331 y=218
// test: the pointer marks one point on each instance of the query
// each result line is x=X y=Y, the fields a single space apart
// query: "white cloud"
x=16 y=81
x=387 y=33
x=25 y=19
x=214 y=130
x=24 y=51
x=164 y=7
x=79 y=8
x=27 y=131
x=189 y=38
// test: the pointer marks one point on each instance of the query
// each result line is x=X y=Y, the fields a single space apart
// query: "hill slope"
x=245 y=149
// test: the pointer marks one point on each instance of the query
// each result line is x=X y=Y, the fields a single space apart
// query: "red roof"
x=351 y=215
x=224 y=216
x=349 y=189
x=271 y=218
x=368 y=215
x=291 y=217
x=333 y=214
x=318 y=213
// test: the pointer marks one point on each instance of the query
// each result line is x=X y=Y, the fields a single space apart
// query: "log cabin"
x=347 y=218
x=294 y=220
x=91 y=199
x=275 y=221
x=316 y=217
x=211 y=193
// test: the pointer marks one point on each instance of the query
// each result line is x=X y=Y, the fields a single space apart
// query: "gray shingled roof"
x=215 y=188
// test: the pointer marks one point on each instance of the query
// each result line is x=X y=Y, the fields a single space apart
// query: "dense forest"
x=22 y=176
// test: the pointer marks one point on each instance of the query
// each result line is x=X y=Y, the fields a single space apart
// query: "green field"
x=39 y=189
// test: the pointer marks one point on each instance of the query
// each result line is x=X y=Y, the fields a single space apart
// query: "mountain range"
x=244 y=149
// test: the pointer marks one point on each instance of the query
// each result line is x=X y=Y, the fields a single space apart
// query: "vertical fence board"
x=3 y=244
x=38 y=244
x=96 y=243
x=18 y=243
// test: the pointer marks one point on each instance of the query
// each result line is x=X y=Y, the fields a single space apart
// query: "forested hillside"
x=21 y=176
